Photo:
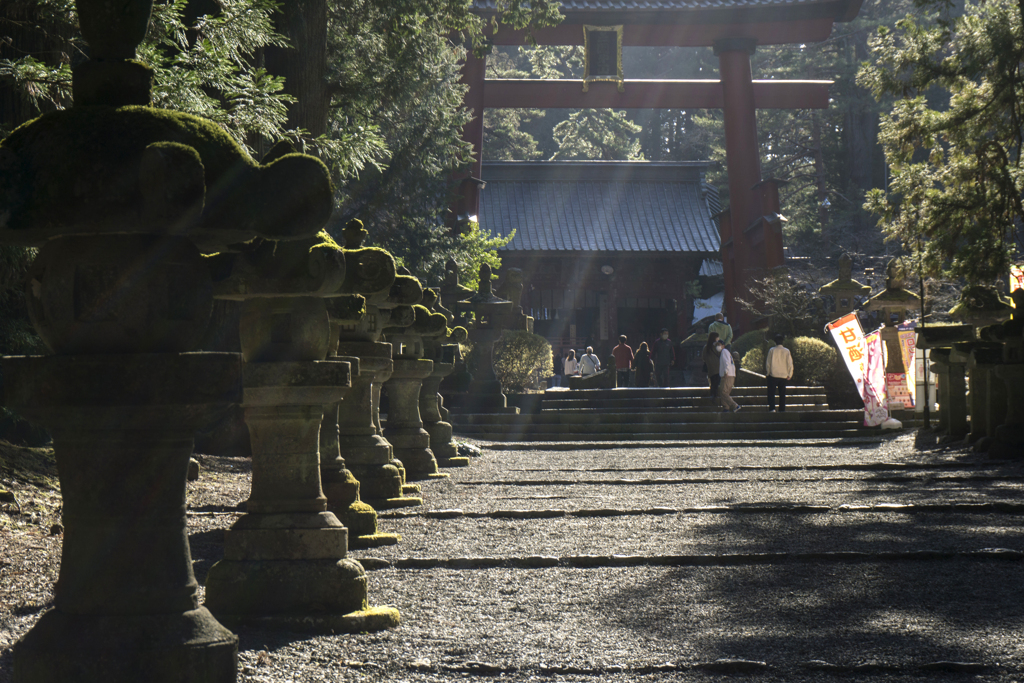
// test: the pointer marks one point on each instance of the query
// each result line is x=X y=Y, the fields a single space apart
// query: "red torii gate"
x=751 y=231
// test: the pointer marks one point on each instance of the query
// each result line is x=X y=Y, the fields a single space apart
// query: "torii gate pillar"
x=742 y=224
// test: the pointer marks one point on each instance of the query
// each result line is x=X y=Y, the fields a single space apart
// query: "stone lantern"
x=981 y=306
x=285 y=561
x=454 y=295
x=489 y=313
x=894 y=302
x=1008 y=435
x=123 y=201
x=845 y=289
x=404 y=428
x=348 y=430
x=444 y=356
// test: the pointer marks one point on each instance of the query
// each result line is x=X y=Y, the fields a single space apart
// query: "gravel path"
x=866 y=562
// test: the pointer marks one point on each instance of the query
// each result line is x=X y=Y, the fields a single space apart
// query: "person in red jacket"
x=623 y=359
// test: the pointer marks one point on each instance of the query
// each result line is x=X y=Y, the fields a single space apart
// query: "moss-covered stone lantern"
x=123 y=200
x=404 y=429
x=443 y=349
x=285 y=561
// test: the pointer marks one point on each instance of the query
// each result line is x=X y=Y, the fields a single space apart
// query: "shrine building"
x=750 y=227
x=606 y=247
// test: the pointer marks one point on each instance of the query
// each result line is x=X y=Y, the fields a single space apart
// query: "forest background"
x=380 y=101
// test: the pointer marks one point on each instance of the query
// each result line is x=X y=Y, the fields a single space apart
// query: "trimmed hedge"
x=517 y=354
x=814 y=361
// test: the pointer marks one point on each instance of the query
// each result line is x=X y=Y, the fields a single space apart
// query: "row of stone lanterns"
x=979 y=366
x=123 y=201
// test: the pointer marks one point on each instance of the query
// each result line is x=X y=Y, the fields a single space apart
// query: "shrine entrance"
x=751 y=226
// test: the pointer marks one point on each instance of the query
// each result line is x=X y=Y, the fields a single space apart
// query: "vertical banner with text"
x=908 y=350
x=853 y=348
x=876 y=401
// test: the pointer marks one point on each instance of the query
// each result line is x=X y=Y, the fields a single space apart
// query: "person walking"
x=664 y=354
x=559 y=369
x=571 y=365
x=727 y=371
x=710 y=356
x=722 y=329
x=623 y=359
x=778 y=365
x=589 y=363
x=643 y=365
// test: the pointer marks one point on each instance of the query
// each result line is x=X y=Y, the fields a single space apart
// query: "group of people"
x=721 y=361
x=650 y=363
x=655 y=361
x=568 y=365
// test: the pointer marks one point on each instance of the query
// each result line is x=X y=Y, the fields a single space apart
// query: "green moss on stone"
x=78 y=171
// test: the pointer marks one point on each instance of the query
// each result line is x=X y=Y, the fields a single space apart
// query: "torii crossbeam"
x=751 y=233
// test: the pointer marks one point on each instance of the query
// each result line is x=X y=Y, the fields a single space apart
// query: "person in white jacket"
x=727 y=374
x=572 y=366
x=589 y=363
x=778 y=366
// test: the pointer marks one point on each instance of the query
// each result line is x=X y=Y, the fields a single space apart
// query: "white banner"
x=876 y=402
x=853 y=348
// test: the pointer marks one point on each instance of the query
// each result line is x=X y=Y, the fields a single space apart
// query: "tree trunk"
x=304 y=65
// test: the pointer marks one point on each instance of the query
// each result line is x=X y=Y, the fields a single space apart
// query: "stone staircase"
x=673 y=414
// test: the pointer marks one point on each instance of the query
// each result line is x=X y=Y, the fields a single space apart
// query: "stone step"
x=690 y=417
x=622 y=406
x=586 y=437
x=728 y=425
x=634 y=393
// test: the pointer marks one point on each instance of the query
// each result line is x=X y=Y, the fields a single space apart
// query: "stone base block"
x=361 y=621
x=419 y=462
x=167 y=648
x=457 y=461
x=281 y=591
x=360 y=519
x=373 y=541
x=298 y=536
x=411 y=489
x=341 y=489
x=378 y=482
x=367 y=449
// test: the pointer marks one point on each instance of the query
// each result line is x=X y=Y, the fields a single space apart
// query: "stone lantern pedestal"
x=125 y=605
x=952 y=393
x=285 y=561
x=949 y=370
x=367 y=453
x=433 y=422
x=1009 y=436
x=988 y=398
x=404 y=429
x=361 y=446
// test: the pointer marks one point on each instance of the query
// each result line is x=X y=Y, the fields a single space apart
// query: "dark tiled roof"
x=599 y=206
x=711 y=268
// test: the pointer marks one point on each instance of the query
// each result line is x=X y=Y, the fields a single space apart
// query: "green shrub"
x=750 y=340
x=517 y=354
x=814 y=361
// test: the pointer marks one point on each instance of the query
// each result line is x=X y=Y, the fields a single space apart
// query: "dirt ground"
x=893 y=559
